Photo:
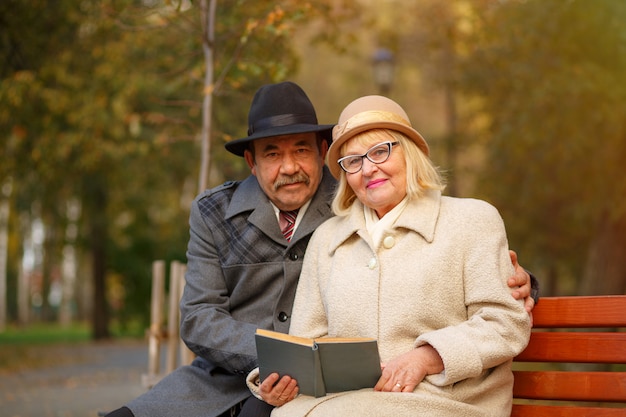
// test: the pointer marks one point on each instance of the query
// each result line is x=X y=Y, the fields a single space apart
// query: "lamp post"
x=382 y=66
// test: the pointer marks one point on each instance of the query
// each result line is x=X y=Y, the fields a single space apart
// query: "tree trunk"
x=96 y=201
x=69 y=262
x=208 y=43
x=451 y=113
x=4 y=248
x=605 y=272
x=23 y=277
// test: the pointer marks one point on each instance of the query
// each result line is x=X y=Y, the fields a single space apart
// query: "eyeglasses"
x=376 y=154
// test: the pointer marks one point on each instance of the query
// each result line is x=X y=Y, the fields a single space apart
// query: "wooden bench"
x=568 y=331
x=164 y=331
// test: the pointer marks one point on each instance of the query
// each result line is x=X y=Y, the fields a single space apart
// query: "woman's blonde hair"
x=421 y=173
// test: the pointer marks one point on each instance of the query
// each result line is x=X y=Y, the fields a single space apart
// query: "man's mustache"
x=301 y=177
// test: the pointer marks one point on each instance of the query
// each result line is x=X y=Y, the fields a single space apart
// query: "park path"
x=77 y=380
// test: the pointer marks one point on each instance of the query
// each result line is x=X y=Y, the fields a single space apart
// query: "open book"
x=319 y=365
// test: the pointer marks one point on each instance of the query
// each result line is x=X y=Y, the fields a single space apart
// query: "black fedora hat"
x=279 y=109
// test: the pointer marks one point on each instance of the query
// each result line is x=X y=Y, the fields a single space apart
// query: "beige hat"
x=366 y=113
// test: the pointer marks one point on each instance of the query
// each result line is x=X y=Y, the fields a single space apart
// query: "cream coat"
x=438 y=278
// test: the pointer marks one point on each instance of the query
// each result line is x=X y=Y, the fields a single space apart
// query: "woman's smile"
x=375 y=183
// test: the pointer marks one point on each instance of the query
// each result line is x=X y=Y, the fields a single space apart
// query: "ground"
x=71 y=380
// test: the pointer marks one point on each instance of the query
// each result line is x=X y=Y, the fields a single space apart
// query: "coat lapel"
x=319 y=210
x=249 y=197
x=420 y=216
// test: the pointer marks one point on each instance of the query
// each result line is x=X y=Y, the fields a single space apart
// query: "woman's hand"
x=278 y=392
x=403 y=373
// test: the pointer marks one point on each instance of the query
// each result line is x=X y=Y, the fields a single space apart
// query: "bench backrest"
x=573 y=330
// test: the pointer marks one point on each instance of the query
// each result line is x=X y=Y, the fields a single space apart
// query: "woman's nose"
x=368 y=167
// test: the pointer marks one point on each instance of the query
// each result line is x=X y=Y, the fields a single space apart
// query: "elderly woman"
x=422 y=273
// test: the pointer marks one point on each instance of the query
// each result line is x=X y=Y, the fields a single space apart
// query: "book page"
x=343 y=339
x=286 y=337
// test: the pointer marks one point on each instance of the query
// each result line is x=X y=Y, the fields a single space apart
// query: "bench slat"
x=578 y=347
x=580 y=311
x=577 y=330
x=570 y=386
x=525 y=410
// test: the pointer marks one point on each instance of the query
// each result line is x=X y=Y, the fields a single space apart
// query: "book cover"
x=319 y=365
x=349 y=365
x=293 y=356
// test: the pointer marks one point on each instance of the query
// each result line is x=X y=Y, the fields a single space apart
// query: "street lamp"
x=382 y=66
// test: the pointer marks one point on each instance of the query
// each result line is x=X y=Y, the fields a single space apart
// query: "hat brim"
x=333 y=151
x=238 y=146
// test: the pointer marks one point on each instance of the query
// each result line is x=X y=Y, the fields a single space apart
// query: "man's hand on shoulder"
x=523 y=286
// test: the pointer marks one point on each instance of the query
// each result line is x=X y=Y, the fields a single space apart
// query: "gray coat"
x=241 y=275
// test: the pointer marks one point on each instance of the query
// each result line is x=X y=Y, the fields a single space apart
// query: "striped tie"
x=287 y=220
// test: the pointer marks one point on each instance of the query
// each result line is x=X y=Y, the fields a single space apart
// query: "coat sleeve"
x=497 y=327
x=207 y=326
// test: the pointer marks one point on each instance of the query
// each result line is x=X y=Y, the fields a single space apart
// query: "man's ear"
x=324 y=149
x=247 y=155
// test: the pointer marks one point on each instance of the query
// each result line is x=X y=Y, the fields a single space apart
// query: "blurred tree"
x=550 y=80
x=435 y=38
x=536 y=95
x=102 y=105
x=28 y=106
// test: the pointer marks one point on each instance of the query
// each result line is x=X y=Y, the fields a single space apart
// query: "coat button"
x=293 y=256
x=282 y=316
x=372 y=263
x=388 y=242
